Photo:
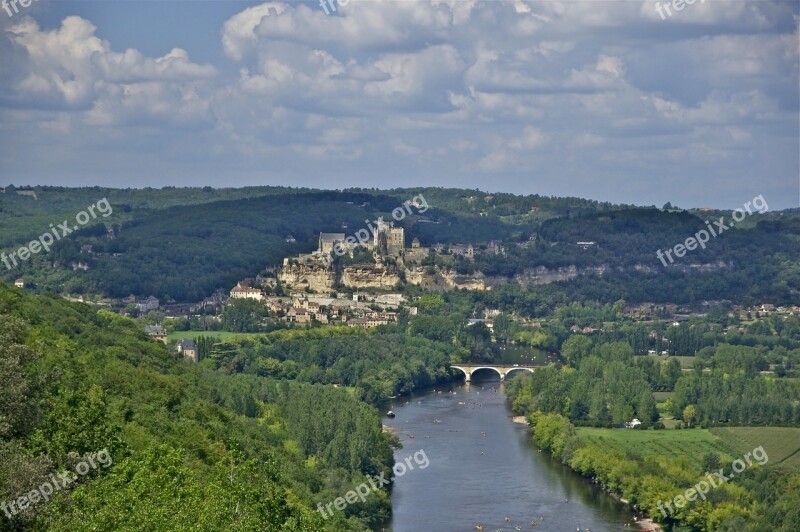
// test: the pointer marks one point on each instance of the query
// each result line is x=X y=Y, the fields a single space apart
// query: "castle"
x=386 y=240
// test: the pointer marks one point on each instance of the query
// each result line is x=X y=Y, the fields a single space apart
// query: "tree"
x=689 y=414
x=501 y=326
x=243 y=315
x=576 y=348
x=18 y=409
x=647 y=408
x=711 y=462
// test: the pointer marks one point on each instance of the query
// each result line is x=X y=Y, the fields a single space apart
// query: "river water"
x=483 y=468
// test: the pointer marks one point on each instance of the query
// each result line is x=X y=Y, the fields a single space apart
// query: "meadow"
x=219 y=335
x=782 y=444
x=691 y=445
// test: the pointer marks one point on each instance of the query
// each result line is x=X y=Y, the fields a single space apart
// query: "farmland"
x=218 y=335
x=782 y=444
x=691 y=445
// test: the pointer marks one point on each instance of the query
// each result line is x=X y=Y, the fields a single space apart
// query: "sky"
x=624 y=101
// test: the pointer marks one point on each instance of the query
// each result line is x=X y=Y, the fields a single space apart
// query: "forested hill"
x=183 y=445
x=182 y=244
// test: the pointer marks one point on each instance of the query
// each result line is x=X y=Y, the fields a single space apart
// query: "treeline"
x=603 y=392
x=605 y=385
x=719 y=398
x=184 y=248
x=190 y=446
x=377 y=364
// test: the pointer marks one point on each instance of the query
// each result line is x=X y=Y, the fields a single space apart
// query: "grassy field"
x=686 y=361
x=782 y=444
x=691 y=445
x=222 y=335
x=661 y=397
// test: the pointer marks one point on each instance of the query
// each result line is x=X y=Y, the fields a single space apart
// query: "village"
x=359 y=282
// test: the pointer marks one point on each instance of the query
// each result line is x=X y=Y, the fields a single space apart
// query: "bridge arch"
x=467 y=374
x=496 y=370
x=518 y=368
x=503 y=371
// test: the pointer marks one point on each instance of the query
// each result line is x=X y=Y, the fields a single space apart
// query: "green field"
x=686 y=361
x=662 y=396
x=691 y=445
x=222 y=335
x=782 y=444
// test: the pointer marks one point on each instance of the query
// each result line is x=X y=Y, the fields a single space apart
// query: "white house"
x=246 y=292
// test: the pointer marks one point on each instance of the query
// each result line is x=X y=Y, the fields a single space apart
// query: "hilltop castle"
x=386 y=240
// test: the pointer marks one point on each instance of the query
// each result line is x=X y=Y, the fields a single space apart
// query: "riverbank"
x=649 y=525
x=646 y=524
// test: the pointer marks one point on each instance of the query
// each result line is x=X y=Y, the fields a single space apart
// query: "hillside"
x=182 y=244
x=184 y=446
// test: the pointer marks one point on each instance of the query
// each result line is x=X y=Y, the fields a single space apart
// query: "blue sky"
x=596 y=99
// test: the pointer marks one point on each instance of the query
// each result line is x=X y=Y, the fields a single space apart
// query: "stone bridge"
x=469 y=369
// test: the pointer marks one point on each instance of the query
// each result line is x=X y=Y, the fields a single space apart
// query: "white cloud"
x=579 y=92
x=71 y=68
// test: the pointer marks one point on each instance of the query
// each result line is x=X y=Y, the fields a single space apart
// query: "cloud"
x=70 y=68
x=558 y=97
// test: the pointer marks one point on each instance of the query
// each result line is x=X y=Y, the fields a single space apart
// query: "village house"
x=156 y=332
x=19 y=283
x=357 y=322
x=380 y=318
x=146 y=305
x=299 y=315
x=189 y=350
x=240 y=291
x=302 y=316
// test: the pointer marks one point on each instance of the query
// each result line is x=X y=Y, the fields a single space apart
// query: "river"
x=483 y=468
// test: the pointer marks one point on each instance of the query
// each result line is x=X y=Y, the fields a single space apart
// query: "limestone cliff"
x=370 y=277
x=317 y=278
